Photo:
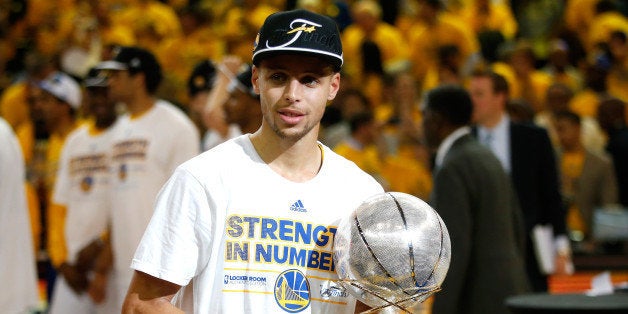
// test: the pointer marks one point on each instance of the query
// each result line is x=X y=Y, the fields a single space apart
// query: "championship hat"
x=299 y=31
x=62 y=87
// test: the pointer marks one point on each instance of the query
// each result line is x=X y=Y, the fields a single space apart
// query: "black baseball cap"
x=299 y=31
x=133 y=59
x=202 y=77
x=95 y=78
x=243 y=82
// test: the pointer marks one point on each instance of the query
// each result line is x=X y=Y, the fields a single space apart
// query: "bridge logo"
x=292 y=291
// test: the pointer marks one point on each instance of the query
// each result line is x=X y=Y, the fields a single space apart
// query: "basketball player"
x=81 y=196
x=18 y=271
x=248 y=226
x=148 y=143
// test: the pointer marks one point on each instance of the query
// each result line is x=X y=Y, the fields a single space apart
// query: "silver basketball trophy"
x=392 y=252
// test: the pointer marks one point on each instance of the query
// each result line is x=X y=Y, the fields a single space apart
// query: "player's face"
x=294 y=91
x=98 y=105
x=120 y=85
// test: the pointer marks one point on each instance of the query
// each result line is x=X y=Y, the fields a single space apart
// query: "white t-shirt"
x=17 y=260
x=247 y=240
x=83 y=187
x=146 y=150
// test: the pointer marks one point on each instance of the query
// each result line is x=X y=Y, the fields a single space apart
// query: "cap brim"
x=112 y=65
x=334 y=60
x=95 y=82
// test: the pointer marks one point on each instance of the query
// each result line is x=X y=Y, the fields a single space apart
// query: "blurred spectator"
x=587 y=179
x=585 y=102
x=532 y=83
x=559 y=66
x=606 y=20
x=200 y=41
x=578 y=16
x=475 y=198
x=362 y=146
x=435 y=28
x=526 y=153
x=151 y=21
x=617 y=79
x=447 y=70
x=349 y=102
x=610 y=116
x=211 y=92
x=80 y=205
x=238 y=26
x=376 y=48
x=557 y=100
x=488 y=15
x=17 y=256
x=537 y=21
x=243 y=107
x=148 y=143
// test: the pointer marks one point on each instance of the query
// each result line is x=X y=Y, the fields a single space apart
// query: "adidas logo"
x=298 y=207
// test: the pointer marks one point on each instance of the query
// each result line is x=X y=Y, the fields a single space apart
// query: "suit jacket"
x=596 y=186
x=617 y=147
x=535 y=178
x=475 y=199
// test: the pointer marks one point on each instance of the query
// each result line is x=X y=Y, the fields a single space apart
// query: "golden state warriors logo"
x=86 y=183
x=122 y=172
x=292 y=291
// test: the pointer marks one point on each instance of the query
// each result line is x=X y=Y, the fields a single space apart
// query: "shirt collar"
x=448 y=142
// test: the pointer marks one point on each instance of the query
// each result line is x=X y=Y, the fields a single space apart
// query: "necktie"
x=488 y=140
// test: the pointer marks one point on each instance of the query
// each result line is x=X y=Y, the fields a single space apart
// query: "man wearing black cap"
x=243 y=107
x=148 y=143
x=248 y=226
x=207 y=88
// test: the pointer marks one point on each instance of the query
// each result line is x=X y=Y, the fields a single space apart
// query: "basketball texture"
x=392 y=251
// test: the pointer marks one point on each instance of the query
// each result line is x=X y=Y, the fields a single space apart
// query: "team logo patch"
x=86 y=183
x=292 y=291
x=122 y=172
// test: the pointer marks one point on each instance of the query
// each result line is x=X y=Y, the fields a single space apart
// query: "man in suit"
x=475 y=199
x=525 y=153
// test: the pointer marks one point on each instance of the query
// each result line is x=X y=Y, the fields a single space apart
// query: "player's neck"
x=298 y=161
x=140 y=105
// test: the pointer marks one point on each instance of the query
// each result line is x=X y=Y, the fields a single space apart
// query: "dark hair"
x=452 y=102
x=371 y=58
x=569 y=116
x=500 y=85
x=490 y=41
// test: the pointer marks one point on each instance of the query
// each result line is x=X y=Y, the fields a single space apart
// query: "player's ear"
x=334 y=86
x=254 y=78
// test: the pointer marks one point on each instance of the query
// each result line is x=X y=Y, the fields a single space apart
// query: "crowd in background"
x=561 y=60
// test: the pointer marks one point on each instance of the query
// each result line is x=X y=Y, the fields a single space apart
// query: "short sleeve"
x=172 y=246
